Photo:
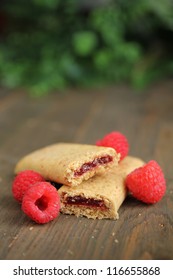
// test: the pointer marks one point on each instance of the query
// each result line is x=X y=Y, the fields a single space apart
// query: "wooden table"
x=143 y=231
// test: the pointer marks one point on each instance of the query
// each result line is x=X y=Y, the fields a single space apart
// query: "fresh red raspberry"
x=23 y=181
x=147 y=183
x=117 y=141
x=41 y=202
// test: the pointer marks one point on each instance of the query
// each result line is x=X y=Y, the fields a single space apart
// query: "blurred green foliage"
x=47 y=45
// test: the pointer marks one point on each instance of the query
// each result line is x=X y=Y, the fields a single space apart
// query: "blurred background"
x=49 y=45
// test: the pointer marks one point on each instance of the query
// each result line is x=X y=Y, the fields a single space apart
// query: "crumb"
x=139 y=214
x=116 y=241
x=9 y=246
x=12 y=242
x=70 y=252
x=161 y=225
x=31 y=228
x=15 y=237
x=92 y=236
x=113 y=233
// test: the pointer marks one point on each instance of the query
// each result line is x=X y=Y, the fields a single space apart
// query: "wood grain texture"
x=142 y=232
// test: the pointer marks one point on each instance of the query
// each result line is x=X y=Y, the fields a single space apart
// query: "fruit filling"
x=87 y=202
x=90 y=165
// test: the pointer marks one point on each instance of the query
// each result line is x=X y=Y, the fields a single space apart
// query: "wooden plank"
x=142 y=232
x=55 y=120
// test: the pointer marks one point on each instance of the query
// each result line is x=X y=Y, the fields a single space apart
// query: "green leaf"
x=84 y=42
x=102 y=59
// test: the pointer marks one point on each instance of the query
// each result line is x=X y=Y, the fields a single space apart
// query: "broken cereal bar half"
x=69 y=163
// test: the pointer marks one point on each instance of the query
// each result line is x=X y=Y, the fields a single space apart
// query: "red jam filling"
x=90 y=165
x=87 y=202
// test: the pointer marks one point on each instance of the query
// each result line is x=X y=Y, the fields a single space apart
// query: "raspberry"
x=23 y=181
x=41 y=202
x=117 y=141
x=147 y=183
